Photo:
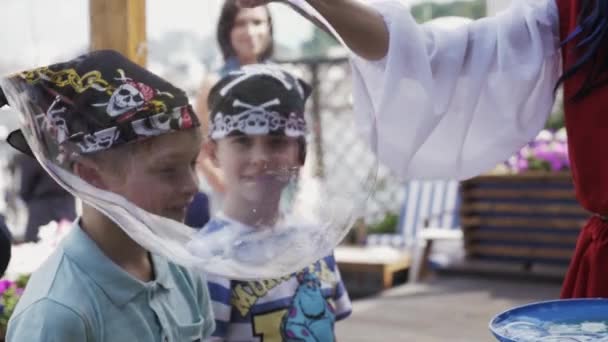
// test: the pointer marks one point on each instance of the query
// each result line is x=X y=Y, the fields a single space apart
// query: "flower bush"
x=10 y=292
x=25 y=259
x=547 y=152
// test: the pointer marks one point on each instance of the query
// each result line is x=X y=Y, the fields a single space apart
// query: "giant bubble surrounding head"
x=125 y=141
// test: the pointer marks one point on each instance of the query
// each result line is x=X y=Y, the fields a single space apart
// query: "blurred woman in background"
x=244 y=36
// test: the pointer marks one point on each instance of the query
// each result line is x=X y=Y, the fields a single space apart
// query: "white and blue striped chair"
x=430 y=212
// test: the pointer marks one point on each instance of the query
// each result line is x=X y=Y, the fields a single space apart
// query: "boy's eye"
x=167 y=170
x=279 y=142
x=244 y=141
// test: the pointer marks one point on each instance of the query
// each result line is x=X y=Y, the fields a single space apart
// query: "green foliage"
x=22 y=280
x=469 y=9
x=9 y=297
x=556 y=120
x=9 y=300
x=318 y=45
x=539 y=165
x=388 y=225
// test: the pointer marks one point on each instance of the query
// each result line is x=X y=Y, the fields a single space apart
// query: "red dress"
x=587 y=126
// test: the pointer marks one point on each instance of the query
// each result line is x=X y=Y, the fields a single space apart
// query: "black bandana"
x=258 y=100
x=94 y=102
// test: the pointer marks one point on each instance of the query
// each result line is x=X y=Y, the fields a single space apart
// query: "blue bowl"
x=573 y=320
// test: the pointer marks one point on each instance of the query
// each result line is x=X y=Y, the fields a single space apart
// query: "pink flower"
x=549 y=151
x=522 y=165
x=5 y=285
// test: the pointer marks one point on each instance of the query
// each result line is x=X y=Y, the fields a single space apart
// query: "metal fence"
x=338 y=150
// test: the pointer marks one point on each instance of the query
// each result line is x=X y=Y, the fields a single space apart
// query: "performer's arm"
x=449 y=101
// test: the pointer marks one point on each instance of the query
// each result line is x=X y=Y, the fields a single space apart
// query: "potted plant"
x=525 y=212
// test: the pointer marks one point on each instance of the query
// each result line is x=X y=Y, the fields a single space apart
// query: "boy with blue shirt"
x=257 y=131
x=99 y=284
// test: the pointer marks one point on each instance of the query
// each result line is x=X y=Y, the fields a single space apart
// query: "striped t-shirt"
x=302 y=306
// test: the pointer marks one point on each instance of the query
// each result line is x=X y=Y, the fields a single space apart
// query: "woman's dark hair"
x=592 y=34
x=225 y=25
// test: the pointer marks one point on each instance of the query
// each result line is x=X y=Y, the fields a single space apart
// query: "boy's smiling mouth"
x=282 y=174
x=267 y=177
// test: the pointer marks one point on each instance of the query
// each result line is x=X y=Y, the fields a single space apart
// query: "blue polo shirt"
x=79 y=294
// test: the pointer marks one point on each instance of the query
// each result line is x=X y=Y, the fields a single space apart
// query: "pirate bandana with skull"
x=129 y=98
x=95 y=102
x=258 y=100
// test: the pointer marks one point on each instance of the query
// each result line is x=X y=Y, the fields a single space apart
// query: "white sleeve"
x=455 y=103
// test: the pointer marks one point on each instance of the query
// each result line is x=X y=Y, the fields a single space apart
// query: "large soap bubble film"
x=311 y=218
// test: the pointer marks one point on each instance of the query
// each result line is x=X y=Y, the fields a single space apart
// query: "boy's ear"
x=306 y=88
x=90 y=173
x=302 y=151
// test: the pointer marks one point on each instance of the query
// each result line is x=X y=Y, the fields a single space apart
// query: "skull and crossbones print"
x=129 y=97
x=256 y=120
x=53 y=122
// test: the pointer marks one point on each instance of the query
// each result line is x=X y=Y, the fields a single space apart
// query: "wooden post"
x=119 y=25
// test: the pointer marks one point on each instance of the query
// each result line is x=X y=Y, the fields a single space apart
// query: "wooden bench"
x=366 y=267
x=528 y=219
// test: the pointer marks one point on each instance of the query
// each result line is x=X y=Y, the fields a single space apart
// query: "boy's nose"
x=189 y=186
x=259 y=156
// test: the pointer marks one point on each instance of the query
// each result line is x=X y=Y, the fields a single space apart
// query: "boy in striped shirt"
x=257 y=132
